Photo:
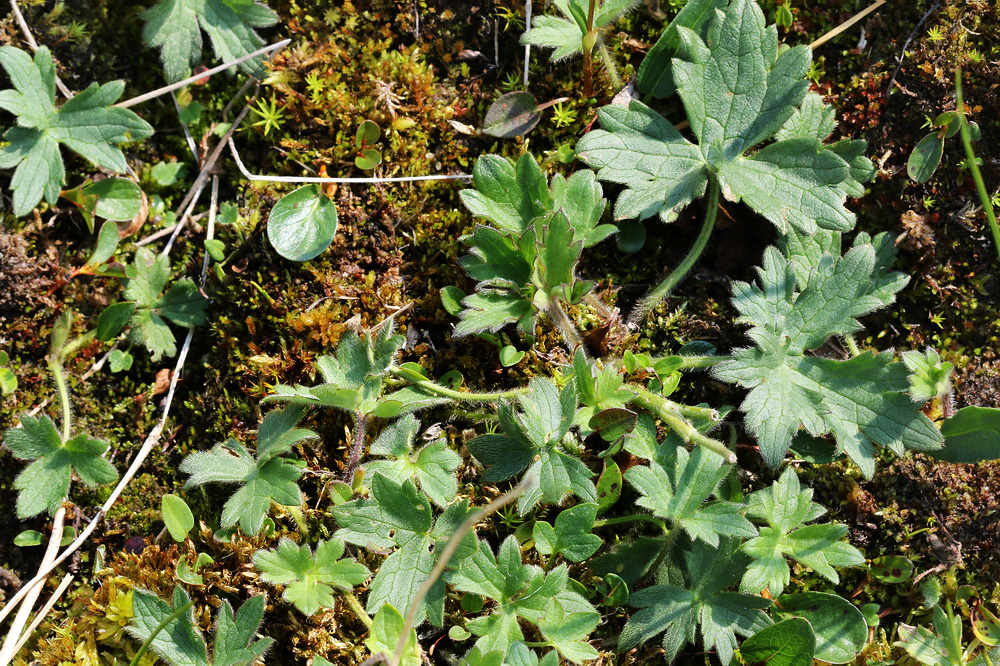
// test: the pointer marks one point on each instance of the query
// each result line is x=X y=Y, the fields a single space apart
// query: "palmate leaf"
x=513 y=195
x=680 y=495
x=738 y=92
x=787 y=507
x=86 y=124
x=182 y=303
x=308 y=577
x=862 y=401
x=400 y=516
x=531 y=439
x=264 y=479
x=433 y=466
x=181 y=643
x=43 y=484
x=525 y=591
x=173 y=27
x=679 y=611
x=521 y=275
x=352 y=377
x=565 y=33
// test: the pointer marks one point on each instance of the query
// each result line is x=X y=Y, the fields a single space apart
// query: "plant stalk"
x=588 y=52
x=568 y=330
x=360 y=426
x=461 y=396
x=663 y=289
x=670 y=413
x=634 y=518
x=970 y=159
x=359 y=610
x=609 y=64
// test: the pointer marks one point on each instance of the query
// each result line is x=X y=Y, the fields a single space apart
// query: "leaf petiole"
x=634 y=518
x=970 y=155
x=673 y=415
x=463 y=396
x=663 y=289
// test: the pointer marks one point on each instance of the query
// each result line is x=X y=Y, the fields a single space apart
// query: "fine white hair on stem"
x=318 y=179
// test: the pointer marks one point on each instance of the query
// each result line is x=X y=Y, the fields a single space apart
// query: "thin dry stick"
x=449 y=550
x=527 y=47
x=151 y=440
x=28 y=37
x=44 y=611
x=210 y=233
x=317 y=179
x=847 y=24
x=192 y=146
x=199 y=183
x=198 y=77
x=33 y=589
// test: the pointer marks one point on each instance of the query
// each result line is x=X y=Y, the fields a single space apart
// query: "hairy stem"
x=180 y=610
x=566 y=327
x=668 y=545
x=609 y=64
x=970 y=159
x=357 y=608
x=663 y=289
x=55 y=367
x=670 y=413
x=634 y=518
x=444 y=391
x=360 y=426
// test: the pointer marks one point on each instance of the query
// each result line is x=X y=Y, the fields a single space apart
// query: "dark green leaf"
x=790 y=642
x=971 y=435
x=511 y=115
x=925 y=158
x=840 y=628
x=302 y=225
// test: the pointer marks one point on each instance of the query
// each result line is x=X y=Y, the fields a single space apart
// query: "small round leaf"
x=302 y=224
x=513 y=114
x=28 y=538
x=609 y=486
x=510 y=355
x=840 y=628
x=790 y=642
x=631 y=236
x=117 y=198
x=925 y=158
x=369 y=158
x=177 y=517
x=367 y=134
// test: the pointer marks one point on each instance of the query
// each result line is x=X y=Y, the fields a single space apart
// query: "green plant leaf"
x=863 y=401
x=177 y=516
x=8 y=381
x=566 y=33
x=840 y=628
x=738 y=91
x=531 y=439
x=930 y=377
x=524 y=591
x=369 y=158
x=86 y=124
x=43 y=484
x=181 y=304
x=352 y=378
x=264 y=479
x=786 y=507
x=925 y=158
x=387 y=627
x=971 y=435
x=571 y=536
x=400 y=516
x=790 y=642
x=893 y=569
x=655 y=76
x=513 y=195
x=302 y=225
x=166 y=174
x=28 y=538
x=120 y=361
x=235 y=633
x=172 y=27
x=609 y=486
x=180 y=642
x=512 y=115
x=679 y=610
x=308 y=577
x=107 y=243
x=433 y=466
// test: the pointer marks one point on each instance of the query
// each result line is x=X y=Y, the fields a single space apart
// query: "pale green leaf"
x=172 y=26
x=308 y=577
x=433 y=466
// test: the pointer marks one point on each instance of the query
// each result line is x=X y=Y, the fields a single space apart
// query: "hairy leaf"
x=87 y=125
x=565 y=33
x=433 y=465
x=680 y=495
x=786 y=507
x=795 y=307
x=264 y=479
x=172 y=26
x=532 y=438
x=400 y=516
x=43 y=484
x=308 y=577
x=739 y=91
x=571 y=536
